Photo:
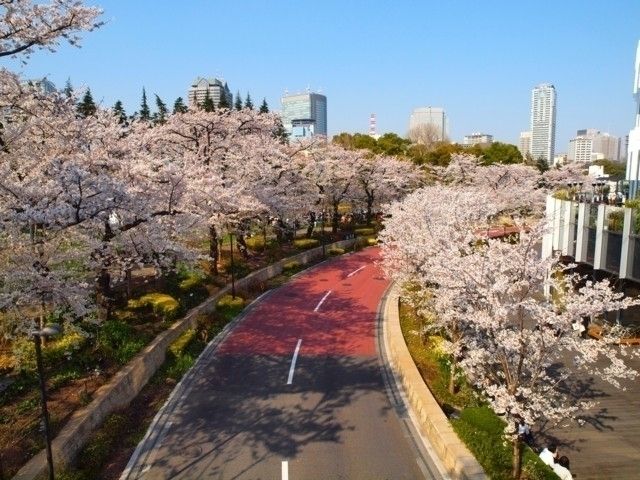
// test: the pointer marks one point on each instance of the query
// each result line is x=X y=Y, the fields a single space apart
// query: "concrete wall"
x=127 y=383
x=433 y=423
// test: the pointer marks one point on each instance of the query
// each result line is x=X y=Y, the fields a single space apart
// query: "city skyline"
x=484 y=88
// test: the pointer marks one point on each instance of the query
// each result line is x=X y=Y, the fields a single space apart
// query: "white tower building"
x=543 y=122
x=633 y=165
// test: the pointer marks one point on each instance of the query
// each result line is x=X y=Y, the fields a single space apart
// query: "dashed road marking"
x=321 y=301
x=293 y=362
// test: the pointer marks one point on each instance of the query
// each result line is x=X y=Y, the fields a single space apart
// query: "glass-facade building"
x=304 y=114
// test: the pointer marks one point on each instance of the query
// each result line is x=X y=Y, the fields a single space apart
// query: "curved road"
x=296 y=390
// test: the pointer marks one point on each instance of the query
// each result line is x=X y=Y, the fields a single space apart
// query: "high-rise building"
x=590 y=144
x=525 y=143
x=633 y=149
x=543 y=122
x=304 y=114
x=435 y=116
x=214 y=87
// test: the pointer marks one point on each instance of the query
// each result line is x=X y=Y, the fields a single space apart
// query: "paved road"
x=296 y=390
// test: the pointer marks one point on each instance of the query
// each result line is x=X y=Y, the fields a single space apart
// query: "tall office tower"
x=434 y=116
x=215 y=87
x=525 y=143
x=304 y=114
x=633 y=149
x=543 y=122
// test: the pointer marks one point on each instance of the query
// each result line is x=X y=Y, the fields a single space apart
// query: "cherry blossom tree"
x=26 y=25
x=485 y=295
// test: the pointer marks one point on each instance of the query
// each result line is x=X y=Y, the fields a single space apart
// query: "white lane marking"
x=285 y=470
x=322 y=301
x=293 y=362
x=355 y=271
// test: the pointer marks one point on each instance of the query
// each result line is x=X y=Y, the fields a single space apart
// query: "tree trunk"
x=127 y=276
x=242 y=245
x=517 y=458
x=264 y=238
x=214 y=252
x=334 y=220
x=452 y=375
x=369 y=209
x=103 y=291
x=312 y=223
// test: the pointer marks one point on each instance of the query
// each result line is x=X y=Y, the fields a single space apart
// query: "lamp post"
x=324 y=255
x=233 y=274
x=46 y=332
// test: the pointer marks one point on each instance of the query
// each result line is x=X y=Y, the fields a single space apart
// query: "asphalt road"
x=296 y=390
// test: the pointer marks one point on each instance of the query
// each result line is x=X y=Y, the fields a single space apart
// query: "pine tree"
x=145 y=113
x=207 y=104
x=161 y=114
x=68 y=89
x=280 y=133
x=264 y=108
x=119 y=112
x=248 y=103
x=223 y=103
x=238 y=105
x=87 y=106
x=179 y=106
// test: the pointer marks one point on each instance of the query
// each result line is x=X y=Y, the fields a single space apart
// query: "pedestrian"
x=549 y=454
x=524 y=432
x=561 y=469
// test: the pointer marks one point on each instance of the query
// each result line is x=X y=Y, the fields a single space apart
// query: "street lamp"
x=38 y=335
x=233 y=275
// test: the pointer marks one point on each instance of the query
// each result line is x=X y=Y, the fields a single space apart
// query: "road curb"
x=432 y=422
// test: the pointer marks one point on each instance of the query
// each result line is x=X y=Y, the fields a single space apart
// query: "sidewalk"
x=607 y=444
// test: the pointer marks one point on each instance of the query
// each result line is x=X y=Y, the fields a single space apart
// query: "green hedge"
x=160 y=303
x=229 y=307
x=482 y=431
x=335 y=251
x=364 y=232
x=177 y=348
x=306 y=243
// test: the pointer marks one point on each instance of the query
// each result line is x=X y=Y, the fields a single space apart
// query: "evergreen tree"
x=68 y=89
x=119 y=112
x=264 y=108
x=161 y=114
x=179 y=106
x=86 y=106
x=145 y=113
x=248 y=103
x=281 y=133
x=207 y=104
x=224 y=102
x=238 y=104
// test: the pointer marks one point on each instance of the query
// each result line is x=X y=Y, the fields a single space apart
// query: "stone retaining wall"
x=127 y=383
x=433 y=423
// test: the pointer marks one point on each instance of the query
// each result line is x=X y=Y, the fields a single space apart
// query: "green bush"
x=177 y=348
x=191 y=282
x=256 y=243
x=372 y=241
x=335 y=251
x=306 y=243
x=53 y=352
x=117 y=340
x=482 y=431
x=229 y=307
x=179 y=366
x=160 y=303
x=291 y=266
x=364 y=232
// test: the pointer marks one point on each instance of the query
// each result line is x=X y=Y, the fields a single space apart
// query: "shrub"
x=192 y=281
x=562 y=194
x=240 y=267
x=291 y=266
x=335 y=251
x=54 y=352
x=177 y=348
x=116 y=339
x=372 y=241
x=306 y=243
x=256 y=243
x=160 y=303
x=364 y=232
x=179 y=366
x=229 y=307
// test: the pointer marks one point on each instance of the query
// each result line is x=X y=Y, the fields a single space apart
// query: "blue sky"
x=478 y=60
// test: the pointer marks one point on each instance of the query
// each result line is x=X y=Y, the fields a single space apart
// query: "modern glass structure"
x=543 y=122
x=304 y=114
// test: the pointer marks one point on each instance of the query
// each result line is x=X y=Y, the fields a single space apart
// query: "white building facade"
x=214 y=87
x=435 y=116
x=524 y=145
x=543 y=122
x=478 y=139
x=633 y=149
